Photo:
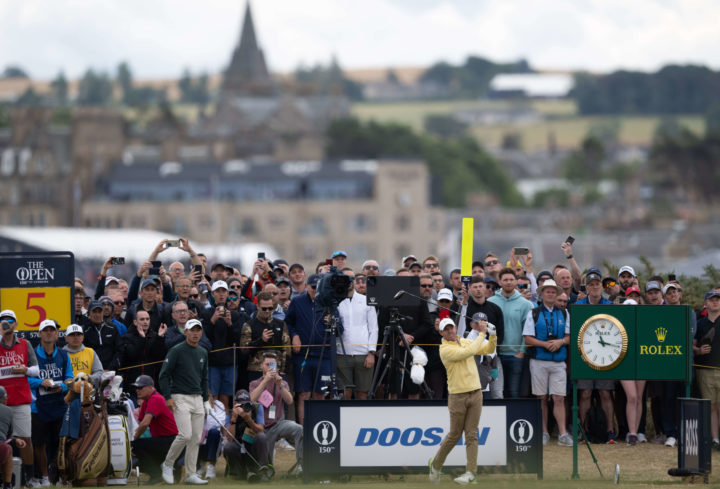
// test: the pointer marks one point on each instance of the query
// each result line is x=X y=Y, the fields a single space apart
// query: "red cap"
x=632 y=289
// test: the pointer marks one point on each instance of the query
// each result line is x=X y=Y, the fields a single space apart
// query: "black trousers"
x=151 y=453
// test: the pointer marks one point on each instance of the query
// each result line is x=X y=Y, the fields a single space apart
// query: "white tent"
x=133 y=244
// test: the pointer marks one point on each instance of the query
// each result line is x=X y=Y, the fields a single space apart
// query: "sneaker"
x=45 y=482
x=565 y=440
x=659 y=439
x=195 y=479
x=611 y=438
x=671 y=441
x=283 y=444
x=466 y=478
x=434 y=473
x=641 y=438
x=167 y=474
x=716 y=444
x=632 y=439
x=298 y=471
x=210 y=471
x=546 y=438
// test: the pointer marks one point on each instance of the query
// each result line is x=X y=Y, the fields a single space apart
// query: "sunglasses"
x=179 y=311
x=426 y=286
x=119 y=303
x=237 y=287
x=371 y=267
x=360 y=279
x=431 y=265
x=233 y=298
x=491 y=286
x=610 y=283
x=8 y=320
x=267 y=308
x=522 y=286
x=491 y=263
x=194 y=296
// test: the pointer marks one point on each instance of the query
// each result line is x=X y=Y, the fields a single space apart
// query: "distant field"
x=562 y=121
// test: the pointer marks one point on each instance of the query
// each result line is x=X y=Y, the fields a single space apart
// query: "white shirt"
x=360 y=326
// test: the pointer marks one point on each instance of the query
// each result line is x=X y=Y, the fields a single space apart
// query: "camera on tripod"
x=332 y=289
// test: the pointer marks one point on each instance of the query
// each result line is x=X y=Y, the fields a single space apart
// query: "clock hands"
x=602 y=342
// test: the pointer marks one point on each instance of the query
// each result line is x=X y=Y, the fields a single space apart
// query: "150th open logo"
x=35 y=273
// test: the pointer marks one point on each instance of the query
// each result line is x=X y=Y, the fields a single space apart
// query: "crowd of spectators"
x=267 y=351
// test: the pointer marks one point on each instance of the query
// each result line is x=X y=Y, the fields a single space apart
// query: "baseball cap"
x=445 y=294
x=593 y=274
x=3 y=392
x=631 y=289
x=48 y=323
x=94 y=305
x=445 y=323
x=630 y=302
x=339 y=253
x=242 y=396
x=105 y=299
x=296 y=265
x=479 y=316
x=415 y=264
x=627 y=269
x=280 y=261
x=144 y=381
x=313 y=279
x=670 y=286
x=545 y=274
x=282 y=280
x=220 y=284
x=490 y=280
x=652 y=286
x=409 y=257
x=711 y=294
x=74 y=328
x=8 y=313
x=608 y=279
x=146 y=282
x=110 y=279
x=216 y=266
x=389 y=272
x=192 y=323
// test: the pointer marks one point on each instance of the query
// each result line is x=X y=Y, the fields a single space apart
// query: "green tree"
x=712 y=120
x=94 y=89
x=124 y=78
x=29 y=98
x=445 y=126
x=586 y=163
x=59 y=88
x=13 y=71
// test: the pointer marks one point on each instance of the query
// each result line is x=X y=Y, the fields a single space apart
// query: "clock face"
x=602 y=342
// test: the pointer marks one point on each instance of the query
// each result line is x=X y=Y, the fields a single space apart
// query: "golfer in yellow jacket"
x=465 y=394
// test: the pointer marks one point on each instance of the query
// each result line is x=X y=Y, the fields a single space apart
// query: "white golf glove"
x=208 y=408
x=491 y=330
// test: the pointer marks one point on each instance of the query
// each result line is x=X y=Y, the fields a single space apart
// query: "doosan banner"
x=352 y=437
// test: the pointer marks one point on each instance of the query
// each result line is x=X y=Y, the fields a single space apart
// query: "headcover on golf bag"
x=84 y=451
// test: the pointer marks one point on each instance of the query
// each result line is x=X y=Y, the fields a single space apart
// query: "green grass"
x=568 y=128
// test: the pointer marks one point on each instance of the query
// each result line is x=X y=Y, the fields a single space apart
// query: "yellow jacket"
x=459 y=361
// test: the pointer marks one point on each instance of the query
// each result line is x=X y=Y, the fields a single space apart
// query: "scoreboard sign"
x=37 y=286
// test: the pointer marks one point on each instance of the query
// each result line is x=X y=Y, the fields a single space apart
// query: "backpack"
x=595 y=421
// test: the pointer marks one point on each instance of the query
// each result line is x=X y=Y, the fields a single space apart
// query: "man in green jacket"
x=184 y=383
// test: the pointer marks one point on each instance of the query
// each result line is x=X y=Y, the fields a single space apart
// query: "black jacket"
x=222 y=335
x=106 y=341
x=136 y=350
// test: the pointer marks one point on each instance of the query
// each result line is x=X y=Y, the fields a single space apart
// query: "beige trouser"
x=465 y=412
x=189 y=417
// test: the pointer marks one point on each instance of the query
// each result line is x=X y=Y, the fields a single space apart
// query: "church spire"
x=247 y=73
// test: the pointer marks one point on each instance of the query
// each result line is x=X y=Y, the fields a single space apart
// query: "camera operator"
x=247 y=426
x=265 y=333
x=435 y=374
x=417 y=326
x=359 y=337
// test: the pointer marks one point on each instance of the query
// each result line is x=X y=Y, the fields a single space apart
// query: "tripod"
x=391 y=333
x=331 y=334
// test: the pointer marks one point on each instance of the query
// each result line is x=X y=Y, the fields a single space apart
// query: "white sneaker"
x=642 y=438
x=466 y=478
x=195 y=479
x=434 y=473
x=34 y=482
x=565 y=440
x=45 y=482
x=167 y=474
x=210 y=471
x=546 y=438
x=671 y=441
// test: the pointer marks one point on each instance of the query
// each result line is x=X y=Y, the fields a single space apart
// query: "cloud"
x=161 y=37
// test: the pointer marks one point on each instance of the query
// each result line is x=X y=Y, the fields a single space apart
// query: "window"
x=248 y=226
x=7 y=166
x=360 y=223
x=402 y=223
x=316 y=226
x=206 y=221
x=277 y=222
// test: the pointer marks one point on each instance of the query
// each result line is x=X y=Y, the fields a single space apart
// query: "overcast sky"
x=161 y=37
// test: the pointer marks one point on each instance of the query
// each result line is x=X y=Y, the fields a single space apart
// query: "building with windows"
x=304 y=209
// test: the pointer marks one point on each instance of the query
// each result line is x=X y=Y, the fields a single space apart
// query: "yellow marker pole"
x=466 y=252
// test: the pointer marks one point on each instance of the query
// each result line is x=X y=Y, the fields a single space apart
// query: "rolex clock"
x=602 y=342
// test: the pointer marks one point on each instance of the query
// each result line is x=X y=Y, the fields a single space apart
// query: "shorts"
x=351 y=370
x=547 y=376
x=305 y=375
x=709 y=382
x=602 y=385
x=5 y=453
x=45 y=432
x=221 y=381
x=22 y=421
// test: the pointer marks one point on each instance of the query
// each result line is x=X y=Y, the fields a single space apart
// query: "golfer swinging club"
x=465 y=394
